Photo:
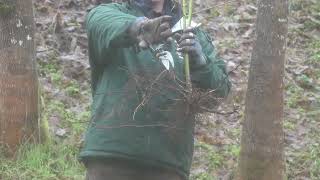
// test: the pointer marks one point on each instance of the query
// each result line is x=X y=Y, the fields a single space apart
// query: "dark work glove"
x=150 y=31
x=188 y=43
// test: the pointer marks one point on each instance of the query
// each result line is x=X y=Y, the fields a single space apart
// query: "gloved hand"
x=188 y=43
x=150 y=31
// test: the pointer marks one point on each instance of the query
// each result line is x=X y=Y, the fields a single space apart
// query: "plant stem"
x=190 y=12
x=184 y=11
x=187 y=17
x=187 y=72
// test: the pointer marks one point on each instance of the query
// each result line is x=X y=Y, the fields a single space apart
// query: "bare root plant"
x=196 y=101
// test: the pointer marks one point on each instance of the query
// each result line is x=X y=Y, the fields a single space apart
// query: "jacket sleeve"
x=106 y=28
x=213 y=75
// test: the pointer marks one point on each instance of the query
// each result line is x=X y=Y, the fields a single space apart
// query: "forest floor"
x=65 y=82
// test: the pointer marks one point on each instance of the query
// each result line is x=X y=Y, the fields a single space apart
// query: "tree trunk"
x=18 y=76
x=262 y=141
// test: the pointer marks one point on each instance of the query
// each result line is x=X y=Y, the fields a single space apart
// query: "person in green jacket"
x=142 y=127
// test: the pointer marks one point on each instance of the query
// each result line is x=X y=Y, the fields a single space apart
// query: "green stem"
x=190 y=12
x=187 y=72
x=186 y=23
x=184 y=11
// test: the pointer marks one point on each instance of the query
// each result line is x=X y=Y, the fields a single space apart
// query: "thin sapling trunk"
x=187 y=18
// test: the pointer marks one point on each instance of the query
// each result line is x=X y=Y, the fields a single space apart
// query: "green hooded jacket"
x=138 y=111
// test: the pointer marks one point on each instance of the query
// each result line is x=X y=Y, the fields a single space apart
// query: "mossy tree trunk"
x=262 y=141
x=18 y=76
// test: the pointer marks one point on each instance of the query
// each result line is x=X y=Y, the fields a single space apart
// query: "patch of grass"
x=307 y=162
x=289 y=125
x=208 y=159
x=214 y=158
x=73 y=89
x=310 y=25
x=305 y=81
x=211 y=157
x=69 y=119
x=232 y=150
x=315 y=53
x=235 y=133
x=51 y=70
x=43 y=162
x=203 y=176
x=315 y=164
x=294 y=96
x=313 y=114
